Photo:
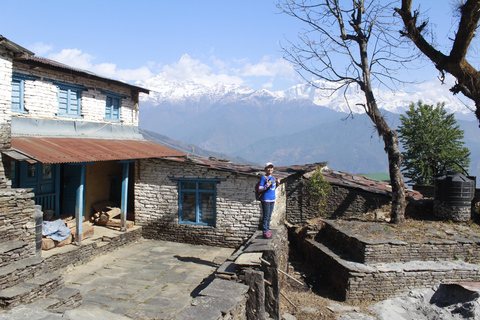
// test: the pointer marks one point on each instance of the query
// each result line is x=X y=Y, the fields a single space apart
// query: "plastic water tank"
x=455 y=188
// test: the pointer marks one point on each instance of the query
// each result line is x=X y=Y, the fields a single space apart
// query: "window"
x=112 y=109
x=18 y=91
x=113 y=105
x=18 y=86
x=197 y=202
x=69 y=100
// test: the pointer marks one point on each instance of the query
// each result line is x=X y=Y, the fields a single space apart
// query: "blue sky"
x=236 y=41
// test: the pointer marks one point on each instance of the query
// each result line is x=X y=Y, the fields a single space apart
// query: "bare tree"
x=334 y=48
x=455 y=63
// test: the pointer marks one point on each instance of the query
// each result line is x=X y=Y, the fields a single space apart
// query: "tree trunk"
x=390 y=139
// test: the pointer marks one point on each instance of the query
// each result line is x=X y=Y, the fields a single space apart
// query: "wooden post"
x=79 y=206
x=124 y=204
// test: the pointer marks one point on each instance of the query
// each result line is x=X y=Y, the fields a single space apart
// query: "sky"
x=232 y=41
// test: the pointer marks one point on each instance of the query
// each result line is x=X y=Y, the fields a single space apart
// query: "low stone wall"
x=227 y=296
x=87 y=252
x=391 y=250
x=17 y=218
x=355 y=281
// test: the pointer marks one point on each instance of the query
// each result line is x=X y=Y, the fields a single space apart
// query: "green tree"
x=433 y=143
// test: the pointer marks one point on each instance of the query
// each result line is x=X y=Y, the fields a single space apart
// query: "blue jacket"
x=269 y=194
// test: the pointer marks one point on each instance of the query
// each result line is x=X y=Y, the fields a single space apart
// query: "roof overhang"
x=34 y=61
x=71 y=150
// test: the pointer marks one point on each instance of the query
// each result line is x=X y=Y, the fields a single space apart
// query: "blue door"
x=71 y=181
x=43 y=179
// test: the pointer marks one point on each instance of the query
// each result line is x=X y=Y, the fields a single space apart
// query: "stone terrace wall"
x=385 y=250
x=238 y=214
x=356 y=282
x=17 y=217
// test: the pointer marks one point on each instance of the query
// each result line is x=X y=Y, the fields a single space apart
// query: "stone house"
x=72 y=138
x=69 y=135
x=350 y=197
x=202 y=201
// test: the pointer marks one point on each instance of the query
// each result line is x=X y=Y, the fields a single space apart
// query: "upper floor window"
x=113 y=105
x=18 y=91
x=197 y=202
x=69 y=101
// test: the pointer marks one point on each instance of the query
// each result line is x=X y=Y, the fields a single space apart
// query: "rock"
x=288 y=316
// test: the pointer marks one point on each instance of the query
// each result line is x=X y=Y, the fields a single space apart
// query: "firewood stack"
x=108 y=215
x=70 y=222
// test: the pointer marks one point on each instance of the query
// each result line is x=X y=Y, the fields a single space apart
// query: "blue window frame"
x=18 y=91
x=197 y=201
x=69 y=101
x=112 y=109
x=113 y=105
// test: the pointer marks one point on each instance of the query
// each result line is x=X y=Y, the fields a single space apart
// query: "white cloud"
x=279 y=67
x=192 y=69
x=75 y=58
x=267 y=85
x=40 y=48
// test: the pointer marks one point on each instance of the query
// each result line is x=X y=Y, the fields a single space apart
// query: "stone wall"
x=238 y=214
x=41 y=99
x=5 y=112
x=88 y=251
x=17 y=218
x=227 y=297
x=356 y=282
x=393 y=250
x=342 y=202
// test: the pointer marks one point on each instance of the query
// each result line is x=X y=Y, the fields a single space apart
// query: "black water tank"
x=454 y=193
x=455 y=188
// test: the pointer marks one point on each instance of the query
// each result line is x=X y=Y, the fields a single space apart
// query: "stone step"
x=19 y=271
x=13 y=251
x=60 y=301
x=31 y=290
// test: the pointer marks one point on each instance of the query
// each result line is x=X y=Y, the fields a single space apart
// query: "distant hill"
x=287 y=128
x=187 y=148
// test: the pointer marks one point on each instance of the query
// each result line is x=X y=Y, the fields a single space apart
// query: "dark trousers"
x=267 y=208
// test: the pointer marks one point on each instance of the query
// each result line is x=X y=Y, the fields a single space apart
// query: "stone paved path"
x=146 y=280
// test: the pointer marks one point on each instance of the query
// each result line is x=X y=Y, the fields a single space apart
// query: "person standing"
x=268 y=185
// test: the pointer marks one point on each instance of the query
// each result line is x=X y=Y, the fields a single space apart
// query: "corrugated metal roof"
x=69 y=150
x=365 y=183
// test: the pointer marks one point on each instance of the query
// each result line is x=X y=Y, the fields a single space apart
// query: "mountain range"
x=296 y=126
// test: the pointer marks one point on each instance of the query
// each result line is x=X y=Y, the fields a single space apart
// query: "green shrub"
x=318 y=189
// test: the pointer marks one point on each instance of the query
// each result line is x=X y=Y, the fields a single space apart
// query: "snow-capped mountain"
x=349 y=99
x=300 y=125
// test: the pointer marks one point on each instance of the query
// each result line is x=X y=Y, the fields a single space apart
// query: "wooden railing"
x=47 y=201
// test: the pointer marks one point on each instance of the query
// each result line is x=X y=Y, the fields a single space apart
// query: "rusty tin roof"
x=70 y=150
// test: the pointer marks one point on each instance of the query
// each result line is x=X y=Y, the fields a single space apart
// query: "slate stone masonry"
x=238 y=214
x=378 y=250
x=362 y=267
